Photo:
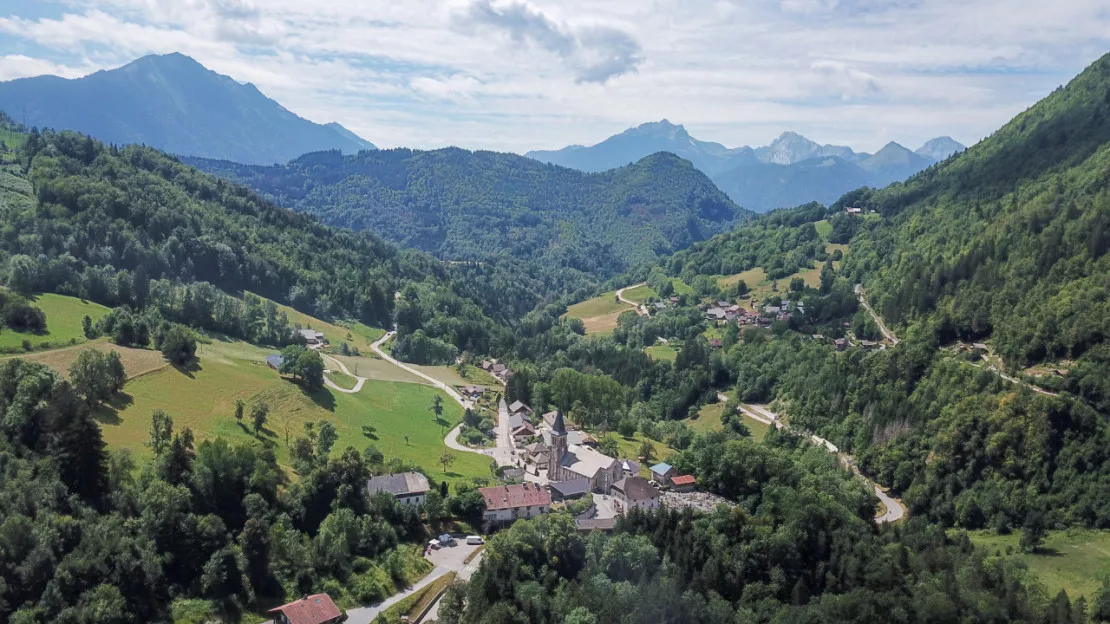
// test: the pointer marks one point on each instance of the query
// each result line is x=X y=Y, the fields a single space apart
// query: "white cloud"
x=523 y=74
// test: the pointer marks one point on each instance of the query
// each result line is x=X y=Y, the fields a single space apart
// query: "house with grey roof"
x=410 y=488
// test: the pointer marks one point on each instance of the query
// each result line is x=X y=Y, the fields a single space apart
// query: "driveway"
x=446 y=559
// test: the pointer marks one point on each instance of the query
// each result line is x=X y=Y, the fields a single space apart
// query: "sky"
x=514 y=75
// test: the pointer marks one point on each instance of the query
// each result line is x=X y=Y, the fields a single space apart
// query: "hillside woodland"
x=476 y=206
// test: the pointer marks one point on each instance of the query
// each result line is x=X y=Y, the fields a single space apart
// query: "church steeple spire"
x=559 y=427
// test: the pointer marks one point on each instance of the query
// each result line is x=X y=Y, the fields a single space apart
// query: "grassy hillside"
x=600 y=313
x=203 y=398
x=1075 y=560
x=63 y=324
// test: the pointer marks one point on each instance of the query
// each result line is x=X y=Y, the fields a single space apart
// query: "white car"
x=474 y=540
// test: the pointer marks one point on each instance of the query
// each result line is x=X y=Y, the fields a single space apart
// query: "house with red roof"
x=506 y=503
x=684 y=483
x=314 y=609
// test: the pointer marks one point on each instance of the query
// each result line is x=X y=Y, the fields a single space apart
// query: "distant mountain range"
x=791 y=170
x=175 y=104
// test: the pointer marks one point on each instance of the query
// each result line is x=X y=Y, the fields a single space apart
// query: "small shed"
x=662 y=473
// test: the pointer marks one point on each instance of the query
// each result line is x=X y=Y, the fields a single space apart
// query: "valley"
x=596 y=388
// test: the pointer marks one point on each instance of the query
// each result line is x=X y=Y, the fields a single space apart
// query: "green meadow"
x=202 y=397
x=1076 y=560
x=63 y=324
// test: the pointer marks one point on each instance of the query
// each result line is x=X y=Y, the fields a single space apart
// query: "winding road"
x=331 y=384
x=639 y=308
x=451 y=392
x=889 y=335
x=895 y=510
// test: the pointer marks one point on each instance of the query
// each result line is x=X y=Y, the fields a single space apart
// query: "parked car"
x=474 y=540
x=446 y=540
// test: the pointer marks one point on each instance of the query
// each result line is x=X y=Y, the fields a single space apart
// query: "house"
x=662 y=473
x=868 y=344
x=770 y=309
x=522 y=433
x=716 y=343
x=498 y=369
x=506 y=503
x=841 y=344
x=636 y=493
x=519 y=408
x=570 y=490
x=314 y=609
x=715 y=314
x=486 y=365
x=659 y=305
x=630 y=468
x=473 y=391
x=512 y=473
x=570 y=461
x=274 y=361
x=684 y=483
x=311 y=336
x=980 y=346
x=673 y=300
x=515 y=420
x=854 y=211
x=722 y=304
x=410 y=488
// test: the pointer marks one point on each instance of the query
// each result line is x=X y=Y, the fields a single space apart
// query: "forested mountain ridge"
x=1007 y=242
x=175 y=104
x=463 y=205
x=107 y=224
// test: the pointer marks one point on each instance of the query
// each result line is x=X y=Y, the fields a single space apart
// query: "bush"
x=178 y=344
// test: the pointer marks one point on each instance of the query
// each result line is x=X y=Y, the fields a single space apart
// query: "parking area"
x=451 y=557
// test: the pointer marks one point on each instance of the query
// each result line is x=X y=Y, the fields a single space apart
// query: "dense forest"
x=463 y=205
x=1007 y=243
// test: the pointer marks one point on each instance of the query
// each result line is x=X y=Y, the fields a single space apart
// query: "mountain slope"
x=939 y=148
x=173 y=103
x=1008 y=241
x=792 y=170
x=765 y=186
x=465 y=205
x=636 y=143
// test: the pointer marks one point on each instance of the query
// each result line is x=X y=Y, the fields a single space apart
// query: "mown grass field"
x=203 y=397
x=630 y=449
x=1076 y=560
x=662 y=352
x=475 y=376
x=135 y=361
x=709 y=419
x=599 y=314
x=377 y=368
x=640 y=294
x=63 y=324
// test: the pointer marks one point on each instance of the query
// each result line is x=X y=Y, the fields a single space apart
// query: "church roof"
x=585 y=461
x=560 y=427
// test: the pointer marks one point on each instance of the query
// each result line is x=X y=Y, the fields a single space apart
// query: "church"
x=566 y=462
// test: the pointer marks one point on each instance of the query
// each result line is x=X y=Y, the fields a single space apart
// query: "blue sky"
x=526 y=74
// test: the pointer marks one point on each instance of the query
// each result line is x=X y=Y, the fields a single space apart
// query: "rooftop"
x=517 y=406
x=312 y=609
x=572 y=487
x=636 y=489
x=274 y=360
x=400 y=484
x=684 y=480
x=661 y=468
x=513 y=496
x=585 y=461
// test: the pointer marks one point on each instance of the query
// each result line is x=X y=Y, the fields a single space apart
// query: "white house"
x=410 y=488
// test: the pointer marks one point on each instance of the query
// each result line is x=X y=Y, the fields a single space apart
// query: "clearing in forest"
x=63 y=324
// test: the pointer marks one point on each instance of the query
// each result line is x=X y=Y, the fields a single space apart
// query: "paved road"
x=895 y=510
x=451 y=392
x=641 y=310
x=448 y=559
x=331 y=384
x=889 y=335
